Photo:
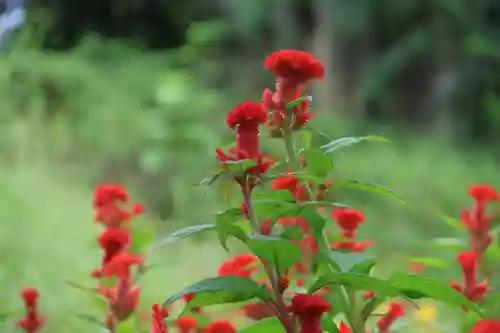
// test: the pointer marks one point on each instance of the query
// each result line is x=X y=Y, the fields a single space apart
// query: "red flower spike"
x=31 y=322
x=158 y=319
x=486 y=326
x=246 y=118
x=121 y=264
x=385 y=322
x=308 y=309
x=242 y=265
x=484 y=193
x=220 y=326
x=186 y=324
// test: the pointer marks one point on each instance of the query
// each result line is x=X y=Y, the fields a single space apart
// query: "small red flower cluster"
x=477 y=221
x=32 y=322
x=117 y=259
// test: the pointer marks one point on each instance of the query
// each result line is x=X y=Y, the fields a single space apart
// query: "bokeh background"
x=136 y=91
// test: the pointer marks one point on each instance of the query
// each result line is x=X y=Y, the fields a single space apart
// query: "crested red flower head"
x=32 y=322
x=186 y=324
x=385 y=322
x=299 y=66
x=348 y=220
x=158 y=319
x=242 y=265
x=486 y=326
x=309 y=309
x=108 y=201
x=121 y=265
x=484 y=193
x=220 y=326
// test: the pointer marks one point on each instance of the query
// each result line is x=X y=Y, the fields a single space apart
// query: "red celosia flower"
x=246 y=118
x=291 y=184
x=486 y=326
x=242 y=265
x=257 y=311
x=477 y=220
x=294 y=65
x=295 y=119
x=352 y=246
x=385 y=322
x=308 y=309
x=348 y=220
x=158 y=319
x=107 y=204
x=112 y=241
x=31 y=322
x=186 y=324
x=474 y=291
x=220 y=326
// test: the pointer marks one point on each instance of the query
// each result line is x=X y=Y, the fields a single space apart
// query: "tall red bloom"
x=477 y=220
x=308 y=309
x=158 y=319
x=112 y=241
x=32 y=322
x=385 y=322
x=486 y=326
x=242 y=265
x=245 y=119
x=474 y=291
x=220 y=326
x=293 y=69
x=108 y=202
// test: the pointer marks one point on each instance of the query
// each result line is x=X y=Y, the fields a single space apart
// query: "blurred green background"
x=136 y=91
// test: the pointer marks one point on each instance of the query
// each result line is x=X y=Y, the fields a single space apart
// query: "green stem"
x=291 y=155
x=281 y=306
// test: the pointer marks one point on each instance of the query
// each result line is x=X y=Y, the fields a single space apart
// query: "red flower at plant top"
x=308 y=309
x=108 y=201
x=477 y=220
x=486 y=326
x=294 y=65
x=245 y=119
x=474 y=291
x=158 y=319
x=220 y=326
x=385 y=322
x=186 y=324
x=242 y=265
x=31 y=322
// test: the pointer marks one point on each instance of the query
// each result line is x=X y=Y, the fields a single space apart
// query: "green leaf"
x=318 y=164
x=282 y=253
x=268 y=325
x=127 y=326
x=208 y=181
x=307 y=137
x=368 y=187
x=451 y=221
x=338 y=144
x=315 y=220
x=224 y=289
x=328 y=323
x=81 y=287
x=226 y=227
x=347 y=261
x=184 y=233
x=430 y=262
x=141 y=238
x=275 y=204
x=7 y=315
x=240 y=166
x=296 y=102
x=292 y=233
x=431 y=288
x=356 y=282
x=455 y=244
